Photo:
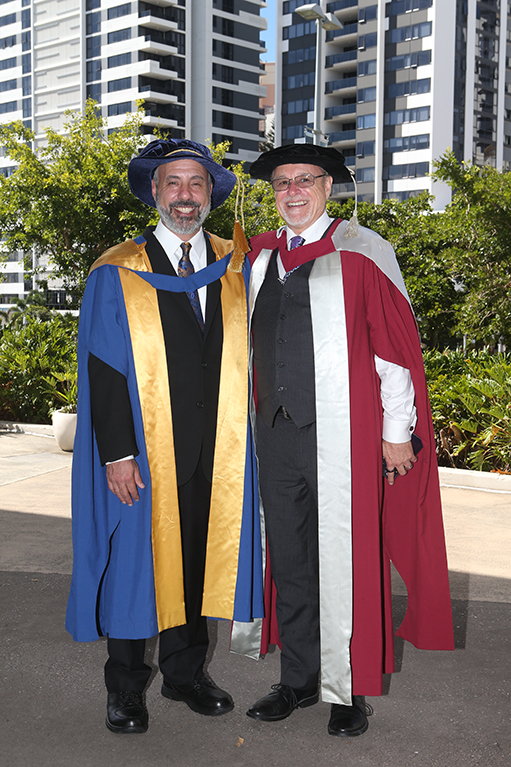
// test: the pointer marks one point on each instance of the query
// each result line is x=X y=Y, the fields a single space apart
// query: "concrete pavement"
x=445 y=709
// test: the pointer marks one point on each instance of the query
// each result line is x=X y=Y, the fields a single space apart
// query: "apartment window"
x=367 y=41
x=93 y=46
x=223 y=120
x=408 y=60
x=8 y=106
x=293 y=131
x=302 y=54
x=412 y=32
x=93 y=70
x=26 y=63
x=407 y=143
x=26 y=41
x=8 y=63
x=366 y=121
x=299 y=30
x=224 y=74
x=367 y=14
x=119 y=35
x=119 y=85
x=400 y=116
x=90 y=5
x=365 y=175
x=119 y=10
x=366 y=94
x=223 y=96
x=223 y=50
x=409 y=88
x=410 y=170
x=114 y=110
x=121 y=60
x=406 y=6
x=94 y=92
x=9 y=19
x=93 y=23
x=223 y=26
x=295 y=107
x=8 y=85
x=25 y=18
x=7 y=42
x=367 y=67
x=365 y=148
x=301 y=81
x=26 y=85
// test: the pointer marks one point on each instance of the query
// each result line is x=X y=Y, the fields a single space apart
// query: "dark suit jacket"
x=193 y=361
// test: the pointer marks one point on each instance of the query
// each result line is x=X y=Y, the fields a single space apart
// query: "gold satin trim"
x=230 y=454
x=220 y=246
x=127 y=254
x=153 y=386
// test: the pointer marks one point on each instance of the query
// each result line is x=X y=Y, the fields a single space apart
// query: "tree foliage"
x=478 y=251
x=69 y=199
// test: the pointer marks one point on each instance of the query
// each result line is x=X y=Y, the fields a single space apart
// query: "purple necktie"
x=184 y=269
x=293 y=243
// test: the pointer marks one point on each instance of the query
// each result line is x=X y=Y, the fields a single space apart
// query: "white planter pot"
x=64 y=429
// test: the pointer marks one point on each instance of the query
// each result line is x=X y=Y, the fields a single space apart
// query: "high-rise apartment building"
x=402 y=81
x=195 y=63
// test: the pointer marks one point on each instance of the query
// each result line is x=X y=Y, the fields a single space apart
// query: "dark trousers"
x=182 y=650
x=288 y=480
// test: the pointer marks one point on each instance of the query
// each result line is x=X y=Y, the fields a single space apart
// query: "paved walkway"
x=439 y=709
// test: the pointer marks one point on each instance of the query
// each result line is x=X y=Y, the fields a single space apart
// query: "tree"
x=479 y=252
x=69 y=199
x=419 y=237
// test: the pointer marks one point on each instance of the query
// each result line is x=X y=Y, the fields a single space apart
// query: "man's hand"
x=124 y=480
x=398 y=456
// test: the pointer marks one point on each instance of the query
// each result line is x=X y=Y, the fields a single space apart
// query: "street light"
x=329 y=22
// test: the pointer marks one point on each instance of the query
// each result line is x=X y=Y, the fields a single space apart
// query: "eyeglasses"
x=302 y=182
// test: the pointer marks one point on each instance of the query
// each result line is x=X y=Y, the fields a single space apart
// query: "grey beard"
x=172 y=218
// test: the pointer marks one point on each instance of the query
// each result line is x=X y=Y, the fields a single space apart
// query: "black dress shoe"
x=203 y=696
x=126 y=712
x=282 y=702
x=348 y=721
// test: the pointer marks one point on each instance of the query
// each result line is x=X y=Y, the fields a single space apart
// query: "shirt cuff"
x=398 y=431
x=127 y=458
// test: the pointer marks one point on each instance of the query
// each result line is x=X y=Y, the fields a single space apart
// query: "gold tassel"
x=352 y=226
x=239 y=241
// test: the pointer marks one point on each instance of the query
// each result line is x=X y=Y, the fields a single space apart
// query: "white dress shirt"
x=171 y=244
x=396 y=387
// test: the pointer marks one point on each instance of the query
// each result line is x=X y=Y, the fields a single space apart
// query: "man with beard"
x=163 y=466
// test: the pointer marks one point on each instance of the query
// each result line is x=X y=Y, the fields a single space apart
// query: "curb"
x=463 y=479
x=35 y=429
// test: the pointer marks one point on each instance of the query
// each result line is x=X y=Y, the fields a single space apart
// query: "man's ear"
x=153 y=189
x=328 y=181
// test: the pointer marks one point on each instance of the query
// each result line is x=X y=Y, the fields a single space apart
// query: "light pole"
x=328 y=22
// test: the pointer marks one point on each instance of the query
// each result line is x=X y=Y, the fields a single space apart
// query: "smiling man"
x=340 y=387
x=163 y=509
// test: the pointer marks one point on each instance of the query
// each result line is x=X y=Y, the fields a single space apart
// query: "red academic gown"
x=400 y=523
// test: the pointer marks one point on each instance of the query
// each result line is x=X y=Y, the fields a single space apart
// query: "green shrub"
x=37 y=360
x=471 y=407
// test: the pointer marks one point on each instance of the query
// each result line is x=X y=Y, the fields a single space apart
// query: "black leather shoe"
x=204 y=697
x=282 y=702
x=348 y=721
x=126 y=712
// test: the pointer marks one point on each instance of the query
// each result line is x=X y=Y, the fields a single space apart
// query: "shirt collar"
x=171 y=243
x=313 y=233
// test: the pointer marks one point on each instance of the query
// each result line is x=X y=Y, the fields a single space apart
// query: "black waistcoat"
x=283 y=346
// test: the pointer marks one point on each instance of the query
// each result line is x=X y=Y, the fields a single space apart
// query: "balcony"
x=147 y=19
x=154 y=46
x=342 y=136
x=343 y=109
x=338 y=59
x=340 y=85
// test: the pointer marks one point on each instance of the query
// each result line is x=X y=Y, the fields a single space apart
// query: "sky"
x=268 y=36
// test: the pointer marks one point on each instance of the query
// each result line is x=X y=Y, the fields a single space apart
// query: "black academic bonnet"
x=327 y=158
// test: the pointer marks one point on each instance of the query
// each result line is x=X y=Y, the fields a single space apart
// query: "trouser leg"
x=125 y=668
x=288 y=477
x=183 y=648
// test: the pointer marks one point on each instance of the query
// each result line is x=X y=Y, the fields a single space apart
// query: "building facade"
x=194 y=63
x=402 y=81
